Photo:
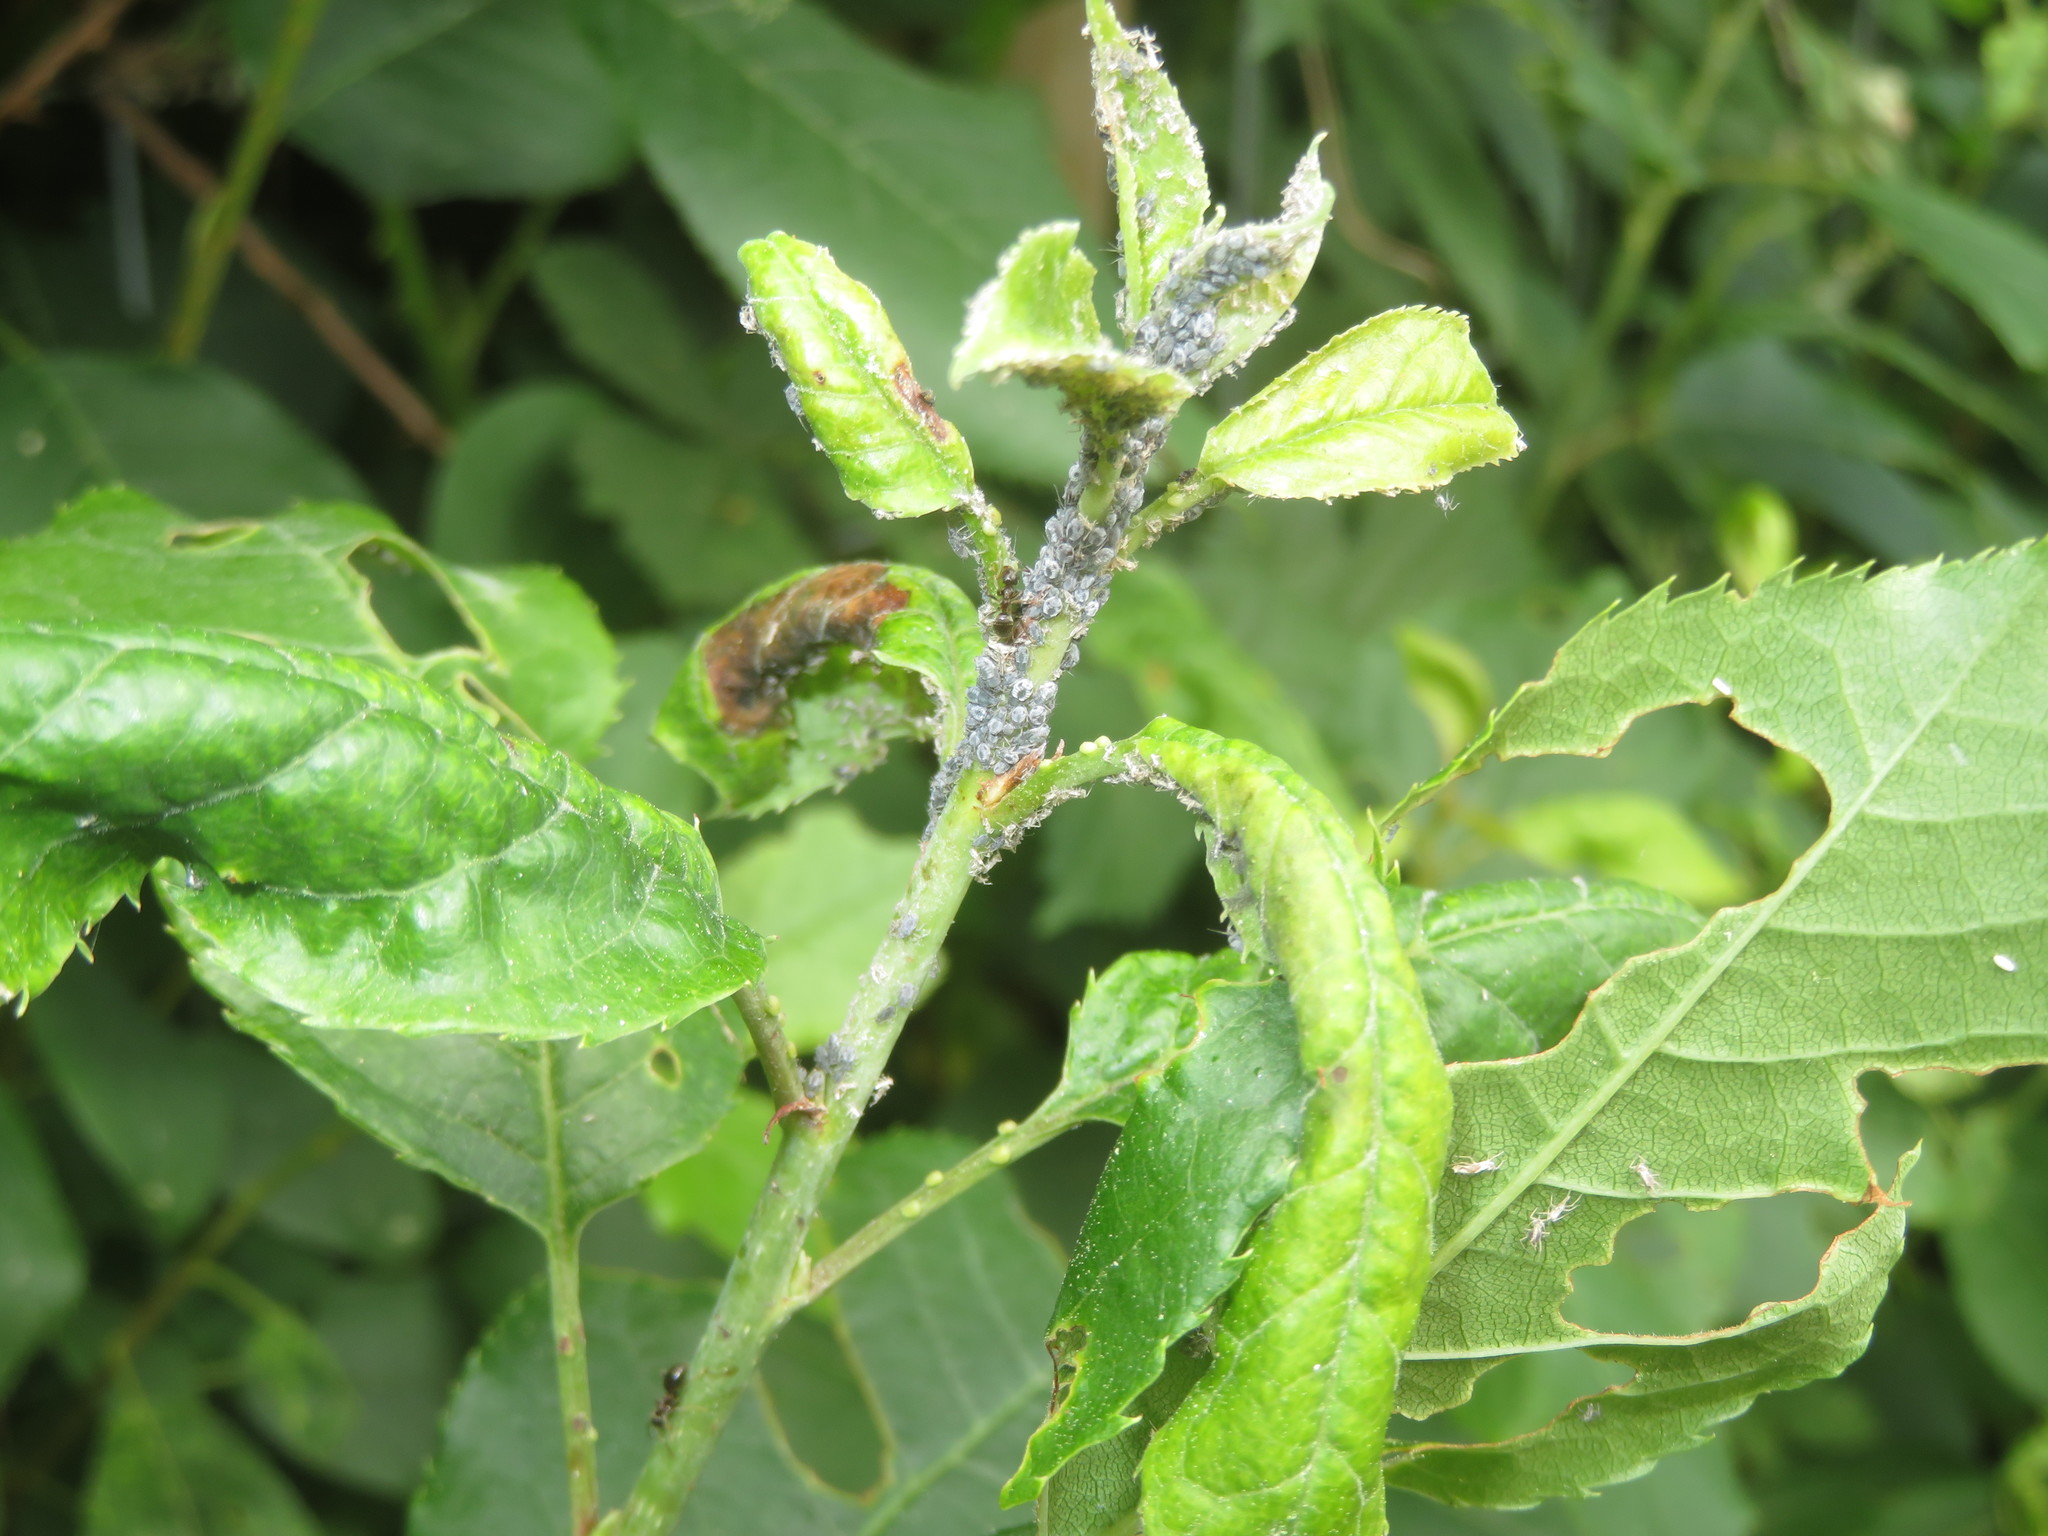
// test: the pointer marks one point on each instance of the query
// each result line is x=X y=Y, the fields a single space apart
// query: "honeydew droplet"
x=2005 y=963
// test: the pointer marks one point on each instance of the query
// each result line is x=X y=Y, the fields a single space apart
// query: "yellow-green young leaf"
x=803 y=686
x=851 y=382
x=1400 y=403
x=1626 y=836
x=1681 y=1389
x=1230 y=291
x=1909 y=935
x=351 y=844
x=1156 y=168
x=1286 y=1429
x=1036 y=319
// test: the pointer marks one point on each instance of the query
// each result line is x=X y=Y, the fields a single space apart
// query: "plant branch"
x=92 y=28
x=354 y=351
x=572 y=1358
x=763 y=1016
x=217 y=221
x=765 y=1272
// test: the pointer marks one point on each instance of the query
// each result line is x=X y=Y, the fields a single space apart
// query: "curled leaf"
x=1400 y=403
x=1229 y=291
x=804 y=686
x=1036 y=319
x=1162 y=185
x=851 y=381
x=348 y=843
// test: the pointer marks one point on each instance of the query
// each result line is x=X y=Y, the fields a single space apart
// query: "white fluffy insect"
x=1471 y=1165
x=1446 y=503
x=1540 y=1222
x=1643 y=1171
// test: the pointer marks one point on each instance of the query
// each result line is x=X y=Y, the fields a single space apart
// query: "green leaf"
x=851 y=381
x=1906 y=936
x=394 y=1342
x=471 y=882
x=1288 y=1426
x=499 y=491
x=1997 y=266
x=1400 y=403
x=1233 y=289
x=823 y=890
x=419 y=102
x=1208 y=1144
x=1681 y=1389
x=1994 y=1250
x=705 y=527
x=199 y=438
x=803 y=686
x=942 y=1325
x=1626 y=836
x=150 y=1099
x=297 y=579
x=292 y=1384
x=502 y=1117
x=712 y=1192
x=915 y=182
x=1099 y=1491
x=173 y=1466
x=623 y=324
x=1036 y=319
x=42 y=1263
x=1505 y=968
x=1156 y=168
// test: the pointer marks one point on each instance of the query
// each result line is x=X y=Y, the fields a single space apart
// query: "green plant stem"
x=1186 y=499
x=216 y=222
x=766 y=1271
x=763 y=1016
x=565 y=1300
x=993 y=1155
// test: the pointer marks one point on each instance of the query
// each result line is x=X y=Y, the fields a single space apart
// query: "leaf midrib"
x=1737 y=944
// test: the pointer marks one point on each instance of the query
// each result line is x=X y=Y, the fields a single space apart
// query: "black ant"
x=672 y=1381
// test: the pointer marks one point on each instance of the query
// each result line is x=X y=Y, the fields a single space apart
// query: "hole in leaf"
x=414 y=611
x=665 y=1066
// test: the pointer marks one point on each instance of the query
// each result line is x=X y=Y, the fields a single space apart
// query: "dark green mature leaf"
x=490 y=499
x=622 y=323
x=117 y=557
x=448 y=98
x=1995 y=1248
x=1998 y=266
x=1207 y=1145
x=851 y=382
x=705 y=526
x=1682 y=1387
x=149 y=1098
x=351 y=844
x=503 y=1117
x=1162 y=185
x=1506 y=968
x=42 y=1264
x=712 y=1192
x=1906 y=936
x=823 y=890
x=199 y=438
x=916 y=184
x=1400 y=403
x=1288 y=1426
x=171 y=1466
x=942 y=1324
x=1036 y=319
x=804 y=686
x=1099 y=1491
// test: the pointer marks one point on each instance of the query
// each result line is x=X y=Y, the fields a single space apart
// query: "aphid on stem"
x=672 y=1381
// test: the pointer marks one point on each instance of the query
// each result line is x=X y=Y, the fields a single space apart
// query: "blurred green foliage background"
x=1760 y=280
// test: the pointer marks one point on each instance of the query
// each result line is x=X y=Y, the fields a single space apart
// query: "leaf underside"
x=1907 y=936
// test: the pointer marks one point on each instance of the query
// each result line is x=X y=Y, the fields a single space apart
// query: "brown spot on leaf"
x=751 y=658
x=919 y=399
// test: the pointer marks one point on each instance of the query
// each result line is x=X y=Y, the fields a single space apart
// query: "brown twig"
x=1351 y=219
x=191 y=176
x=91 y=30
